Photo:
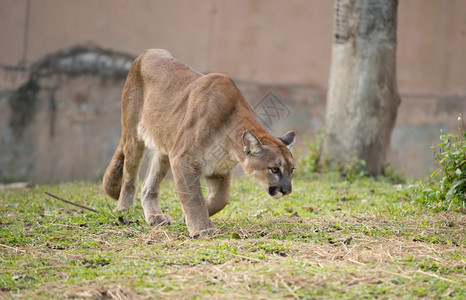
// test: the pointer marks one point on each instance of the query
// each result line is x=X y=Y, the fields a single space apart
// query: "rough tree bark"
x=362 y=100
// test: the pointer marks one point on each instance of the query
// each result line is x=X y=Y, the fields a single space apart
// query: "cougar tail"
x=113 y=176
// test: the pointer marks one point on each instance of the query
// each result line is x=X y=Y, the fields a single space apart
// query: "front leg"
x=188 y=186
x=218 y=192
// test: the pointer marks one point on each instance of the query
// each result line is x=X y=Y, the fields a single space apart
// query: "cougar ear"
x=252 y=145
x=288 y=138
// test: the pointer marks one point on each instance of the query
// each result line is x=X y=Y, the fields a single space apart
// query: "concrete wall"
x=283 y=46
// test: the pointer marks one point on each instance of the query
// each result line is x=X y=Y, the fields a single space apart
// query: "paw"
x=204 y=233
x=159 y=220
x=121 y=208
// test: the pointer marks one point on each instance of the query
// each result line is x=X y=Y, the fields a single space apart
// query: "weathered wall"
x=63 y=122
x=265 y=45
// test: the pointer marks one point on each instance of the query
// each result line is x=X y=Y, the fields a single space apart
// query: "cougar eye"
x=274 y=169
x=292 y=170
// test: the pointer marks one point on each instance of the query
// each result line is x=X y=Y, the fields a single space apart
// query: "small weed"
x=308 y=164
x=393 y=175
x=354 y=169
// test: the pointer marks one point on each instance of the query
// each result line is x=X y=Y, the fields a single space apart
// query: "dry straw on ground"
x=350 y=258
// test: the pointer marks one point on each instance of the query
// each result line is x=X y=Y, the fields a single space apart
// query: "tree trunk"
x=362 y=99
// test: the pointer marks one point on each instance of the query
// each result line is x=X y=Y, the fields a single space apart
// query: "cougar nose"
x=285 y=190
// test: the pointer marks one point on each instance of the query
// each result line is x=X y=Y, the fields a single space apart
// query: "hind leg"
x=133 y=151
x=111 y=183
x=150 y=190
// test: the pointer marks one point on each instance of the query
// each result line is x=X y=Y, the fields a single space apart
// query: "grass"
x=328 y=239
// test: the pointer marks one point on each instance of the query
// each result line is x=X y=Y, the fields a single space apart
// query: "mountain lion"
x=199 y=125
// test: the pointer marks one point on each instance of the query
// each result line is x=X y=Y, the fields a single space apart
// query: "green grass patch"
x=331 y=238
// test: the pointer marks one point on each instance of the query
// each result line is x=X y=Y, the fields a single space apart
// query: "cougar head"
x=270 y=162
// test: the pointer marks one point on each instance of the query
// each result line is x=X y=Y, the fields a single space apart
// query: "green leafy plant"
x=312 y=163
x=309 y=163
x=450 y=191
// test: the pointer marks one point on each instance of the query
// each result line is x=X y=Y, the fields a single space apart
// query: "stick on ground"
x=72 y=203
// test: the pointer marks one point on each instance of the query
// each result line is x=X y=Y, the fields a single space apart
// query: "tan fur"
x=199 y=125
